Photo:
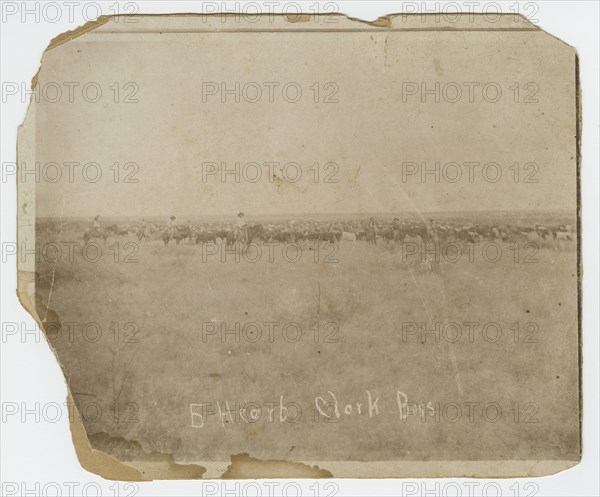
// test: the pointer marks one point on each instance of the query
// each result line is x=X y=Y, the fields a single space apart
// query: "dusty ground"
x=167 y=302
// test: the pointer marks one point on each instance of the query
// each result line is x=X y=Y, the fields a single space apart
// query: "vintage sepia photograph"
x=308 y=246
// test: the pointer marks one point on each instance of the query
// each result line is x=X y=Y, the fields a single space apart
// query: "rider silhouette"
x=241 y=228
x=432 y=231
x=142 y=228
x=171 y=226
x=96 y=225
x=396 y=229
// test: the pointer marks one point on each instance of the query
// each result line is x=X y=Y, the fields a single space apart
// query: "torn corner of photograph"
x=308 y=246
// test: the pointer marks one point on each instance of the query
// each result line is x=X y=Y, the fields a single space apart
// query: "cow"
x=466 y=235
x=95 y=233
x=116 y=231
x=205 y=237
x=182 y=233
x=542 y=231
x=348 y=236
x=251 y=233
x=283 y=236
x=561 y=235
x=176 y=233
x=325 y=236
x=227 y=236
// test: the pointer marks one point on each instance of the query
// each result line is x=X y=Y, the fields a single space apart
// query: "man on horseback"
x=96 y=226
x=142 y=230
x=432 y=263
x=169 y=232
x=241 y=229
x=171 y=227
x=396 y=229
x=372 y=231
x=432 y=231
x=95 y=231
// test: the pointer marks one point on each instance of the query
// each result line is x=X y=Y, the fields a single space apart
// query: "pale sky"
x=368 y=133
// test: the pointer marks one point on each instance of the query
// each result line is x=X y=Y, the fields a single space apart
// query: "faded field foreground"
x=157 y=342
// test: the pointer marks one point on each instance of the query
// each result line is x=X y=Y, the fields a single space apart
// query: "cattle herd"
x=373 y=232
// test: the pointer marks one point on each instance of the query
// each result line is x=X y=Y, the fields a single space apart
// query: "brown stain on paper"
x=89 y=449
x=297 y=17
x=96 y=461
x=100 y=462
x=244 y=466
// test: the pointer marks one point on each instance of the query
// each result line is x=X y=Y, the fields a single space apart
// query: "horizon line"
x=370 y=213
